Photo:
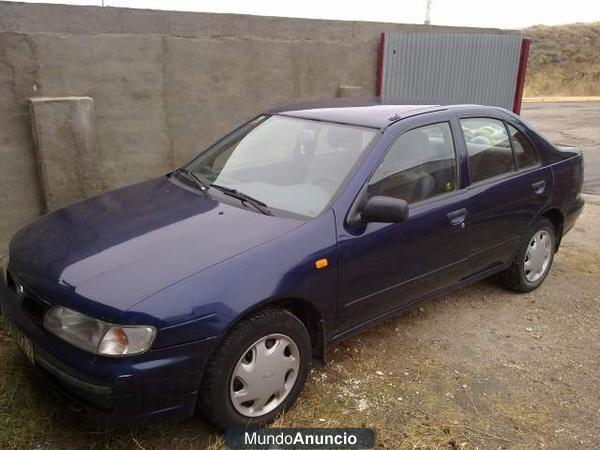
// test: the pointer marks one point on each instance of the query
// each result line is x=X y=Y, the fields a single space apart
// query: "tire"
x=518 y=277
x=222 y=391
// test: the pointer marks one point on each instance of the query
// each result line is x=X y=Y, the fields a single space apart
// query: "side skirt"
x=360 y=327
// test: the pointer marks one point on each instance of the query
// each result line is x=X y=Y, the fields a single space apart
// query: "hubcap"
x=538 y=256
x=264 y=375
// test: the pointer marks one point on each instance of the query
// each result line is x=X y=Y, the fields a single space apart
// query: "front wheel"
x=258 y=371
x=534 y=258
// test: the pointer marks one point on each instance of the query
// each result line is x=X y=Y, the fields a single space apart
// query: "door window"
x=419 y=165
x=488 y=147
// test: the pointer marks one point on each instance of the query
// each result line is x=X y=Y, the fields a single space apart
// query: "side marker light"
x=321 y=263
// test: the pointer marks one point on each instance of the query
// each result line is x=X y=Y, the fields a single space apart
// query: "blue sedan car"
x=212 y=288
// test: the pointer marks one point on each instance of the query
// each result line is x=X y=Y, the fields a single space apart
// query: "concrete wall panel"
x=44 y=18
x=124 y=76
x=20 y=198
x=215 y=85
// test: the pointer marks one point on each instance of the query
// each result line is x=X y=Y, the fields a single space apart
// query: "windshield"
x=289 y=164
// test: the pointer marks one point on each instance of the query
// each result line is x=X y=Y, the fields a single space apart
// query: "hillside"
x=564 y=60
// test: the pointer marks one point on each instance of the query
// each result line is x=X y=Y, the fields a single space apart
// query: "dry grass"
x=564 y=60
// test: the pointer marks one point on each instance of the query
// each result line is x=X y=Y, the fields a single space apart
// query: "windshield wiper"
x=190 y=176
x=259 y=205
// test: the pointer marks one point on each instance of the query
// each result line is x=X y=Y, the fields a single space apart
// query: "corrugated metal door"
x=446 y=68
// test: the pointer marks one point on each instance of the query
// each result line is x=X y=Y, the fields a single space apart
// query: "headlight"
x=97 y=336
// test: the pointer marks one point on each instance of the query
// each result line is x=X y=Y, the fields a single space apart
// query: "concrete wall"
x=164 y=84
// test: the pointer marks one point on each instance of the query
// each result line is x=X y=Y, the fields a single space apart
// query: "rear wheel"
x=534 y=258
x=258 y=371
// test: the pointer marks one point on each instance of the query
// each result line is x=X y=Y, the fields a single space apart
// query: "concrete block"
x=64 y=135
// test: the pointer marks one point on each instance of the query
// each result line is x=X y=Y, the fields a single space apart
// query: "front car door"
x=508 y=188
x=385 y=266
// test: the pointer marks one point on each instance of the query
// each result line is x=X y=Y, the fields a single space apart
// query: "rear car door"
x=508 y=187
x=384 y=266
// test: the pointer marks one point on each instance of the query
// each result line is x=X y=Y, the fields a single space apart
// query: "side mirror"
x=384 y=209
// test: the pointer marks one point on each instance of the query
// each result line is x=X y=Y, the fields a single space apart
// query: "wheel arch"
x=557 y=218
x=304 y=310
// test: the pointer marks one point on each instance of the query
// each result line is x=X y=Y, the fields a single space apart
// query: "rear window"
x=488 y=147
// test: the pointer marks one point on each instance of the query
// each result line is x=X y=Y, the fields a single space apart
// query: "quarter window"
x=488 y=147
x=419 y=165
x=524 y=151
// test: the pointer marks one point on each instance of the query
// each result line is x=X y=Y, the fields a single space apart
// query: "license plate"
x=21 y=340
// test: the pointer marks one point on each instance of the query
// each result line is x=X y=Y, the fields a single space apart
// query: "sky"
x=475 y=13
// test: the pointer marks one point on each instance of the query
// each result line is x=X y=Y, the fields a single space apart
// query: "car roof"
x=371 y=112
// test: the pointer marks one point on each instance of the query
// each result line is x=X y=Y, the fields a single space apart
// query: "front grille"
x=31 y=303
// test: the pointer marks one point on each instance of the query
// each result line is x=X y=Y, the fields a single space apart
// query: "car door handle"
x=539 y=187
x=457 y=218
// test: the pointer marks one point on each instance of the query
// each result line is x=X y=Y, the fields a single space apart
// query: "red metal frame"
x=380 y=54
x=525 y=45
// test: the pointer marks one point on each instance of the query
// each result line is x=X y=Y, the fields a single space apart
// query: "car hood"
x=107 y=253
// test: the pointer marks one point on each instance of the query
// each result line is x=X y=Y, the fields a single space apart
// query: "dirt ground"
x=479 y=368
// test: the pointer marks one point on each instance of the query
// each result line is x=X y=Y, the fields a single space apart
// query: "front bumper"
x=161 y=384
